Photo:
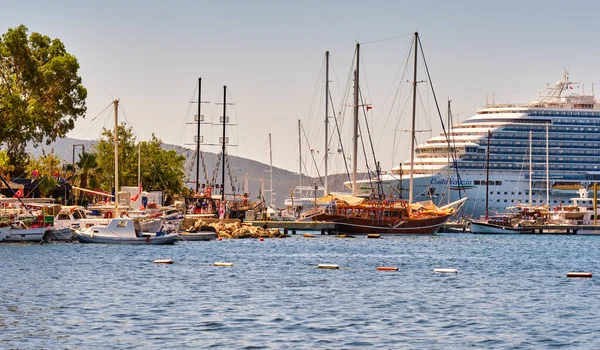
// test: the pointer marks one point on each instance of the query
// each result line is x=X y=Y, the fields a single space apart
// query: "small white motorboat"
x=123 y=231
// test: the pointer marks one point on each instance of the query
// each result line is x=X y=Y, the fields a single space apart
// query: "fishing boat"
x=20 y=231
x=123 y=231
x=497 y=225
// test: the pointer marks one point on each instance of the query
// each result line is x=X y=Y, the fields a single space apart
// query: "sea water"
x=510 y=292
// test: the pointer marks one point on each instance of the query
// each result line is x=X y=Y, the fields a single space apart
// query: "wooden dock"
x=293 y=226
x=564 y=229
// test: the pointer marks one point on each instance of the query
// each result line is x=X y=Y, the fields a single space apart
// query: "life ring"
x=108 y=215
x=404 y=204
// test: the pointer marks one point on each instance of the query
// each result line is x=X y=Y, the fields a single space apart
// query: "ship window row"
x=552 y=152
x=508 y=120
x=490 y=183
x=555 y=137
x=540 y=167
x=552 y=129
x=539 y=144
x=542 y=113
x=539 y=159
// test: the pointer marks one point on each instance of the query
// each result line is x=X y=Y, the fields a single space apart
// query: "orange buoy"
x=386 y=268
x=163 y=261
x=220 y=238
x=308 y=235
x=445 y=270
x=373 y=235
x=261 y=239
x=579 y=274
x=329 y=267
x=223 y=264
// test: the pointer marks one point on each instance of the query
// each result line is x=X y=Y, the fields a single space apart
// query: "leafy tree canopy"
x=41 y=95
x=160 y=169
x=45 y=169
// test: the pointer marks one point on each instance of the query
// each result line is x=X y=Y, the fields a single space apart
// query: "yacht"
x=561 y=128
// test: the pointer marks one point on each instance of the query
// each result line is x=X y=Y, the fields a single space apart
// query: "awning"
x=351 y=200
x=13 y=185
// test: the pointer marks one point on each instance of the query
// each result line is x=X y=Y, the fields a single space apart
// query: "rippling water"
x=511 y=291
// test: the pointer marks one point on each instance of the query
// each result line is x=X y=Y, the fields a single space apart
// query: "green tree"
x=105 y=155
x=47 y=167
x=5 y=166
x=160 y=169
x=41 y=95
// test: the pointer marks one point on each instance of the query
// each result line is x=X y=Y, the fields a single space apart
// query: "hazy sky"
x=149 y=54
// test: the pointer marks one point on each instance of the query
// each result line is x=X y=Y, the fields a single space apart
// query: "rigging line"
x=454 y=161
x=127 y=119
x=362 y=142
x=312 y=156
x=385 y=39
x=104 y=111
x=182 y=129
x=371 y=144
x=337 y=128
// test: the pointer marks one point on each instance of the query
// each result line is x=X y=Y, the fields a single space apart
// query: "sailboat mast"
x=530 y=169
x=447 y=138
x=198 y=135
x=355 y=137
x=139 y=163
x=271 y=169
x=223 y=145
x=300 y=155
x=326 y=120
x=547 y=171
x=487 y=176
x=116 y=142
x=412 y=132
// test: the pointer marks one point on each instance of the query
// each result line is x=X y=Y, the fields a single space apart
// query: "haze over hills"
x=283 y=180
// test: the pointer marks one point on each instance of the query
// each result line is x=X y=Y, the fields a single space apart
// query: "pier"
x=293 y=226
x=564 y=229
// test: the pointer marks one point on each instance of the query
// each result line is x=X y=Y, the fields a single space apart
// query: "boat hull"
x=149 y=240
x=39 y=234
x=425 y=226
x=491 y=229
x=198 y=236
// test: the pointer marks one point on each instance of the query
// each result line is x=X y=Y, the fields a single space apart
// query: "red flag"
x=19 y=194
x=135 y=198
x=369 y=107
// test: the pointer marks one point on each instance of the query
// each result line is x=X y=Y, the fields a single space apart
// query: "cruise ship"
x=569 y=120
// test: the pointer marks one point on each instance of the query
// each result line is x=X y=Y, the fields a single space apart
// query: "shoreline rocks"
x=236 y=230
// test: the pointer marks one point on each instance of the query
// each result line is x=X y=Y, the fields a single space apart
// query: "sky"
x=270 y=55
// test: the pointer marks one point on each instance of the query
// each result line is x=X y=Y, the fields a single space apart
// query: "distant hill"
x=283 y=180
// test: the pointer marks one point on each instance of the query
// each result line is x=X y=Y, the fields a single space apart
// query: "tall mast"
x=355 y=138
x=198 y=135
x=530 y=170
x=139 y=163
x=300 y=155
x=271 y=169
x=448 y=140
x=223 y=146
x=326 y=120
x=487 y=176
x=547 y=171
x=116 y=142
x=412 y=132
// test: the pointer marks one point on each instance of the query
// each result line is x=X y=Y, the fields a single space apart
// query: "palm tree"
x=88 y=171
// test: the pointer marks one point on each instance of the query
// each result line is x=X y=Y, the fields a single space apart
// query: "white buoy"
x=223 y=264
x=331 y=267
x=445 y=270
x=163 y=261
